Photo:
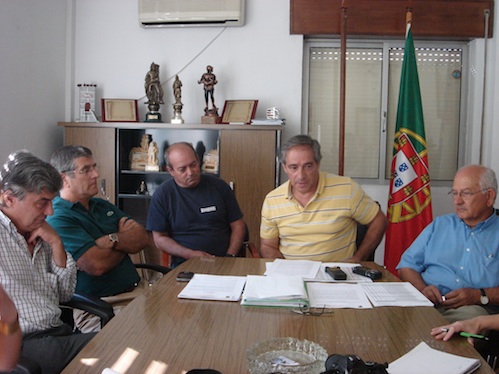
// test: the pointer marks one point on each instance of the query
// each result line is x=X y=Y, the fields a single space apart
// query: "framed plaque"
x=119 y=110
x=239 y=111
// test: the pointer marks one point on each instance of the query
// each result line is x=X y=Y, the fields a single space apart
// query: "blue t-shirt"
x=78 y=229
x=198 y=218
x=450 y=255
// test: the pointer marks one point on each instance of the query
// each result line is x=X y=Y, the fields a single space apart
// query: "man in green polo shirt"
x=98 y=235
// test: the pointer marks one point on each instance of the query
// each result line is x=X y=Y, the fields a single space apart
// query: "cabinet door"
x=248 y=163
x=102 y=142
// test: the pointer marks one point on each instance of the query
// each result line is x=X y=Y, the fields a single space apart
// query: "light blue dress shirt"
x=451 y=255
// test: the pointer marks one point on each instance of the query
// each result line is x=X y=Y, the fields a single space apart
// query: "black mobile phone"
x=366 y=272
x=184 y=276
x=336 y=273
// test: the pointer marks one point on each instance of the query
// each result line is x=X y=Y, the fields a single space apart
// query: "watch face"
x=113 y=238
x=484 y=300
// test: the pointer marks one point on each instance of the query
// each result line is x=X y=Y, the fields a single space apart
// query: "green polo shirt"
x=78 y=229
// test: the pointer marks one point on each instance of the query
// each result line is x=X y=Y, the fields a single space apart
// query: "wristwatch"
x=483 y=298
x=114 y=238
x=230 y=255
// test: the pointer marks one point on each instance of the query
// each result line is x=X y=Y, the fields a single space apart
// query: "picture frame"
x=239 y=111
x=119 y=110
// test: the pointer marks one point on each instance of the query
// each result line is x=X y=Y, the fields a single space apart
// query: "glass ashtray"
x=286 y=355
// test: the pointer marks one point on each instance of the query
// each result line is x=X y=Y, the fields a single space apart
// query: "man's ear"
x=169 y=169
x=8 y=198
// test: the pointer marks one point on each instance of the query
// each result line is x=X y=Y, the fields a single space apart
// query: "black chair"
x=89 y=303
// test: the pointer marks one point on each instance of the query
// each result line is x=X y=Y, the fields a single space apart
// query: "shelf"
x=142 y=172
x=133 y=196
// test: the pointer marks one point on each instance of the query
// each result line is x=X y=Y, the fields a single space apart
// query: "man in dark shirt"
x=193 y=214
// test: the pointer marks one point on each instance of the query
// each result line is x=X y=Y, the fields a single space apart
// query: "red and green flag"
x=409 y=202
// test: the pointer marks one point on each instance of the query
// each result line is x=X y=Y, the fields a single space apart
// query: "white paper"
x=304 y=268
x=214 y=287
x=337 y=295
x=424 y=359
x=395 y=294
x=275 y=290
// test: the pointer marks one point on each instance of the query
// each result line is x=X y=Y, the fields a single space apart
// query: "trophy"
x=209 y=80
x=177 y=107
x=154 y=93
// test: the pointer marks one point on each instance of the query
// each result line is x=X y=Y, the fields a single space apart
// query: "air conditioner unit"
x=181 y=13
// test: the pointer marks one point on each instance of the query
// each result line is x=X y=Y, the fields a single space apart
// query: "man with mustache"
x=35 y=270
x=98 y=235
x=314 y=215
x=194 y=214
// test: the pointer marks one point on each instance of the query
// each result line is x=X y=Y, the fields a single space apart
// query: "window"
x=372 y=85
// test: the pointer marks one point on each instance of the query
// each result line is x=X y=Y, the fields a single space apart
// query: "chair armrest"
x=161 y=269
x=91 y=304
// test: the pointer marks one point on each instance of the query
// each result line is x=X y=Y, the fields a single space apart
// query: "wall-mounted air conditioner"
x=181 y=13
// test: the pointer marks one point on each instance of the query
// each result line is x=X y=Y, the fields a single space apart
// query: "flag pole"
x=341 y=146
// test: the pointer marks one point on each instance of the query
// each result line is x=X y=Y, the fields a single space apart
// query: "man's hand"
x=463 y=296
x=46 y=233
x=433 y=294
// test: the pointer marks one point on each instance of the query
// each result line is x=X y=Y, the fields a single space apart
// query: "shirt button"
x=462 y=267
x=467 y=249
x=457 y=280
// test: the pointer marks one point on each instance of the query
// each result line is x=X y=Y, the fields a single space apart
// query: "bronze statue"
x=209 y=80
x=154 y=91
x=177 y=90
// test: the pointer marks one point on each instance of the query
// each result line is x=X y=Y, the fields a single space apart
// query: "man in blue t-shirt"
x=98 y=235
x=193 y=214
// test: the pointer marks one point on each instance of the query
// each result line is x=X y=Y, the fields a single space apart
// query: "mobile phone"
x=336 y=273
x=184 y=276
x=366 y=272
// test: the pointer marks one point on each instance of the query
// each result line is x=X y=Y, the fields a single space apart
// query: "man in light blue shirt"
x=454 y=262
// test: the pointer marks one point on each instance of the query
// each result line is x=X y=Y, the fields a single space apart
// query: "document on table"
x=337 y=295
x=395 y=294
x=214 y=287
x=274 y=290
x=303 y=268
x=424 y=359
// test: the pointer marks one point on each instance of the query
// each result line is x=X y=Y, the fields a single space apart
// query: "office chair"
x=85 y=302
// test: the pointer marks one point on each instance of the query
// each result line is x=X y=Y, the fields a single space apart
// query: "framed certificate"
x=119 y=110
x=239 y=111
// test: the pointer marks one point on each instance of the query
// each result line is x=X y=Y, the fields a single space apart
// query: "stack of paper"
x=424 y=359
x=395 y=294
x=275 y=290
x=214 y=287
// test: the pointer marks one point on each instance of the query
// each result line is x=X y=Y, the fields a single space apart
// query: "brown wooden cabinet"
x=247 y=160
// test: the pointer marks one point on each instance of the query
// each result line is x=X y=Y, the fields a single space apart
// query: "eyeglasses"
x=465 y=195
x=307 y=311
x=84 y=170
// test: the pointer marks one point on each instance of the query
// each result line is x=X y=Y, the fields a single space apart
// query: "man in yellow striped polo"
x=314 y=215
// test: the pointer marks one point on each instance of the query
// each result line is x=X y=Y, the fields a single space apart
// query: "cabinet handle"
x=103 y=188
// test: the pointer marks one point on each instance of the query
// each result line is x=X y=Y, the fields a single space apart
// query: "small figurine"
x=177 y=90
x=209 y=80
x=142 y=189
x=138 y=155
x=152 y=159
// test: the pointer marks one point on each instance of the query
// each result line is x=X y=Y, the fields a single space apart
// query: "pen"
x=469 y=335
x=474 y=336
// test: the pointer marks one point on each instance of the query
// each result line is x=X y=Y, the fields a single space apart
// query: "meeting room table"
x=160 y=333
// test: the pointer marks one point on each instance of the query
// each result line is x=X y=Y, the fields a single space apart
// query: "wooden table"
x=159 y=333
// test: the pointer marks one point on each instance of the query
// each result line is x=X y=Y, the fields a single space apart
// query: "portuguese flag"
x=409 y=202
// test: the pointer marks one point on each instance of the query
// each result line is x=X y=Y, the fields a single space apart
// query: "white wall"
x=258 y=61
x=32 y=63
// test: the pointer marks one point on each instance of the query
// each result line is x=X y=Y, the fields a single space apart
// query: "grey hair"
x=170 y=148
x=64 y=158
x=300 y=140
x=25 y=173
x=488 y=179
